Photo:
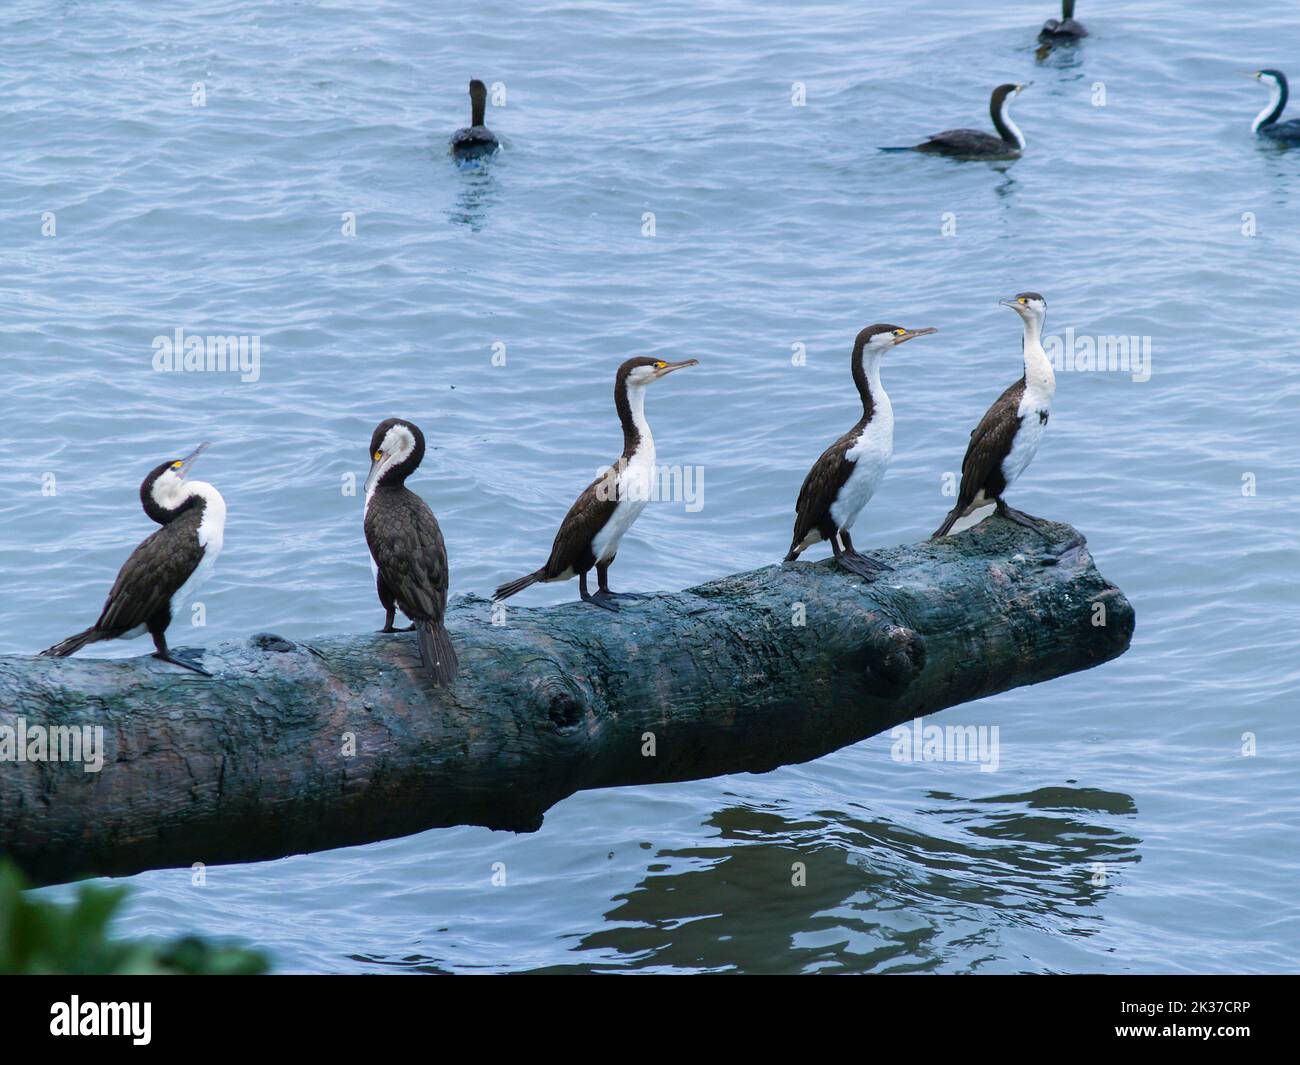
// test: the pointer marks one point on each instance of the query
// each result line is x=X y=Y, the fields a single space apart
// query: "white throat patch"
x=1005 y=114
x=1274 y=95
x=397 y=445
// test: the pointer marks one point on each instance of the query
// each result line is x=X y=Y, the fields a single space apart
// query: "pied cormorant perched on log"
x=406 y=545
x=974 y=143
x=848 y=473
x=1007 y=437
x=162 y=575
x=590 y=532
x=1266 y=123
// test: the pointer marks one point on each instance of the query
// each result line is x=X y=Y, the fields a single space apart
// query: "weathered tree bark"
x=257 y=762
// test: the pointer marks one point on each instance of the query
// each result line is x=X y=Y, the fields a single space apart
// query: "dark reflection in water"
x=878 y=895
x=477 y=194
x=1063 y=54
x=1004 y=188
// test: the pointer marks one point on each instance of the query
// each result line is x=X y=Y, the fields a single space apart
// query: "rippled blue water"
x=776 y=225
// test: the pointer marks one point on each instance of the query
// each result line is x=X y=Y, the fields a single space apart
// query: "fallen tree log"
x=295 y=747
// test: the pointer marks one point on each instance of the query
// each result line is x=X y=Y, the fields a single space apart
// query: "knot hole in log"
x=894 y=657
x=564 y=703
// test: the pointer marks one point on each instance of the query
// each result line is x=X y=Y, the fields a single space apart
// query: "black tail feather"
x=436 y=651
x=72 y=644
x=516 y=586
x=953 y=517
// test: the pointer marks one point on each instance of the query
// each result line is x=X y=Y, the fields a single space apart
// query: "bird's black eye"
x=899 y=332
x=177 y=464
x=378 y=455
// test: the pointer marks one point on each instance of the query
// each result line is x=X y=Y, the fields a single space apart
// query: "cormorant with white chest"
x=475 y=140
x=848 y=473
x=163 y=573
x=1065 y=29
x=406 y=545
x=974 y=143
x=592 y=529
x=1266 y=123
x=1007 y=437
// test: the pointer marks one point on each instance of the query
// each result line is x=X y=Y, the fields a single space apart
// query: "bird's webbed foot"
x=170 y=656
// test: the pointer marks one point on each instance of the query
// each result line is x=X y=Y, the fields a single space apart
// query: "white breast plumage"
x=870 y=454
x=211 y=535
x=1034 y=409
x=635 y=482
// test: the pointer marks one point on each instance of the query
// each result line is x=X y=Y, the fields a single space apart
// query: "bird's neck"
x=214 y=506
x=478 y=105
x=1007 y=130
x=1273 y=110
x=1067 y=10
x=1039 y=376
x=866 y=375
x=637 y=438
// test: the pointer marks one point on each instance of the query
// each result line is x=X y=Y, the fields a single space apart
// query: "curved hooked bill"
x=376 y=465
x=669 y=367
x=910 y=334
x=182 y=468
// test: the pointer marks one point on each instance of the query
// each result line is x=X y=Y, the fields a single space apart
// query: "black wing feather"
x=966 y=142
x=990 y=441
x=406 y=544
x=588 y=515
x=822 y=486
x=152 y=574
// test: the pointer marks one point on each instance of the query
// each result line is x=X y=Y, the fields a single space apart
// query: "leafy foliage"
x=38 y=936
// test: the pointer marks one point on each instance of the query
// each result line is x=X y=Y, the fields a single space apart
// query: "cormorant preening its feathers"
x=848 y=473
x=590 y=533
x=1063 y=31
x=160 y=578
x=1007 y=437
x=406 y=545
x=1266 y=123
x=475 y=140
x=974 y=143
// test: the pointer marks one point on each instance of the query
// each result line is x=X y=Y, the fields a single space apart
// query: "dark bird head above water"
x=396 y=451
x=165 y=493
x=1278 y=93
x=1066 y=29
x=475 y=141
x=999 y=111
x=478 y=101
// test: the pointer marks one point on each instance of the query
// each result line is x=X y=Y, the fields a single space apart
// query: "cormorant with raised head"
x=475 y=140
x=1266 y=123
x=1007 y=437
x=1064 y=30
x=159 y=580
x=848 y=473
x=592 y=529
x=974 y=143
